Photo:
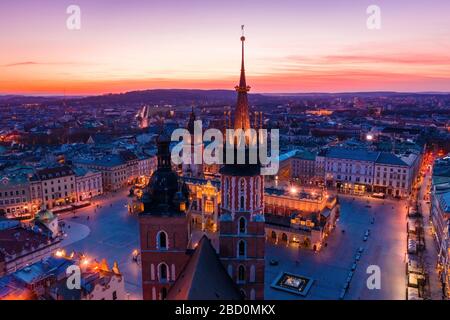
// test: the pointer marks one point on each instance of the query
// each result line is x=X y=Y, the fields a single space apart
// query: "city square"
x=112 y=229
x=329 y=268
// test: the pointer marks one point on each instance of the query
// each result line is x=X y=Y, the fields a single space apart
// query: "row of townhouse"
x=440 y=217
x=359 y=171
x=119 y=170
x=22 y=193
x=356 y=171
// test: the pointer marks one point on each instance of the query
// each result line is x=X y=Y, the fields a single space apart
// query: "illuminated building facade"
x=15 y=197
x=57 y=185
x=88 y=183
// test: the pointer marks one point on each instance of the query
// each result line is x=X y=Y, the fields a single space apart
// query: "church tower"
x=163 y=227
x=241 y=223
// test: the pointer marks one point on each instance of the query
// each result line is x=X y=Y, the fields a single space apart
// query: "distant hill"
x=193 y=96
x=170 y=96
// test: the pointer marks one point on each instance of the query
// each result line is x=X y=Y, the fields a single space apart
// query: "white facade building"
x=89 y=183
x=57 y=185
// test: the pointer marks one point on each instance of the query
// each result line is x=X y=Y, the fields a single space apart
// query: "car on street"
x=379 y=195
x=273 y=262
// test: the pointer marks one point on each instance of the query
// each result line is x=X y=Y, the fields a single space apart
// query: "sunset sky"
x=292 y=46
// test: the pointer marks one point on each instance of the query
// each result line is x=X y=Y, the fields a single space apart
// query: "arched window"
x=163 y=272
x=161 y=240
x=242 y=249
x=242 y=225
x=241 y=273
x=242 y=203
x=274 y=235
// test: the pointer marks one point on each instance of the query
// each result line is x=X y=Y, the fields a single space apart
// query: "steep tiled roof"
x=204 y=277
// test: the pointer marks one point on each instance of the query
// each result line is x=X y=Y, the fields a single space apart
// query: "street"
x=110 y=233
x=430 y=254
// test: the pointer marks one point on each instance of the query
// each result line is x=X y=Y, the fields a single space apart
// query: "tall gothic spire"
x=241 y=117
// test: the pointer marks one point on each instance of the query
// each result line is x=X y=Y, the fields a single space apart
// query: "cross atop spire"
x=241 y=117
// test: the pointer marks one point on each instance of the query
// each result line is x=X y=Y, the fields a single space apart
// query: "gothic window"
x=242 y=225
x=242 y=248
x=161 y=240
x=241 y=273
x=163 y=272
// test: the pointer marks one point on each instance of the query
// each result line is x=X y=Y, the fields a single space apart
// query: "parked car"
x=358 y=257
x=273 y=262
x=379 y=195
x=354 y=267
x=365 y=238
x=361 y=249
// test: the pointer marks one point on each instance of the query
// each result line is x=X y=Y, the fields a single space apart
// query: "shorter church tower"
x=163 y=227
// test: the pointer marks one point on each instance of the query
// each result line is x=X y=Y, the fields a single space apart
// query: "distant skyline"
x=292 y=46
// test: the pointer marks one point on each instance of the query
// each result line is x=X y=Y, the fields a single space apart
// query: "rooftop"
x=204 y=277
